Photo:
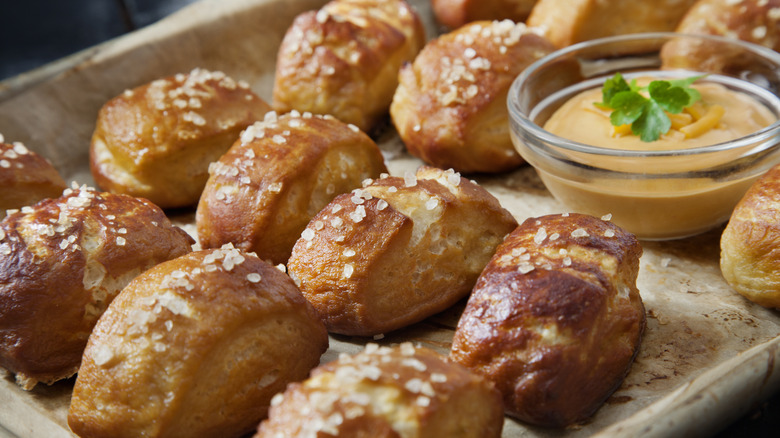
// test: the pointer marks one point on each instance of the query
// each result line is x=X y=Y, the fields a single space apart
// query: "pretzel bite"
x=450 y=105
x=555 y=319
x=343 y=59
x=25 y=177
x=277 y=176
x=397 y=251
x=195 y=347
x=157 y=141
x=750 y=244
x=387 y=392
x=754 y=21
x=456 y=13
x=62 y=261
x=574 y=21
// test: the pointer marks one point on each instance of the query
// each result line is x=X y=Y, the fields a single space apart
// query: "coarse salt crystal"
x=540 y=236
x=102 y=355
x=277 y=399
x=579 y=232
x=453 y=177
x=414 y=385
x=438 y=378
x=20 y=149
x=525 y=268
x=348 y=270
x=358 y=214
x=410 y=180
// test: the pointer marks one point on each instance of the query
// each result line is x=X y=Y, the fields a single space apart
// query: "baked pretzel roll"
x=387 y=392
x=277 y=176
x=456 y=13
x=397 y=251
x=574 y=21
x=195 y=347
x=751 y=241
x=343 y=59
x=157 y=141
x=755 y=21
x=555 y=320
x=25 y=177
x=450 y=105
x=62 y=261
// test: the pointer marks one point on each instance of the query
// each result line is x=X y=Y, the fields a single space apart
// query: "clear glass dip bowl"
x=655 y=194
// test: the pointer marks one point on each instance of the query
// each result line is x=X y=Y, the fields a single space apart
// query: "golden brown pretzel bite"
x=456 y=13
x=343 y=59
x=277 y=176
x=450 y=106
x=388 y=392
x=569 y=22
x=25 y=177
x=62 y=261
x=397 y=251
x=555 y=319
x=156 y=141
x=195 y=347
x=749 y=244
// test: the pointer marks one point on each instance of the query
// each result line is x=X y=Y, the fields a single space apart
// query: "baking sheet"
x=708 y=355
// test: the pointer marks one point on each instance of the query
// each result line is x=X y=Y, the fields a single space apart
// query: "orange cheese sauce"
x=579 y=120
x=658 y=207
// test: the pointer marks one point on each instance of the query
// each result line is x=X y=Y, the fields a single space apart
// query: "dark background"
x=35 y=32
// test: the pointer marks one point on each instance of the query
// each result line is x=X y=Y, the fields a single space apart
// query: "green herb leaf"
x=685 y=85
x=672 y=99
x=647 y=115
x=613 y=86
x=652 y=123
x=627 y=106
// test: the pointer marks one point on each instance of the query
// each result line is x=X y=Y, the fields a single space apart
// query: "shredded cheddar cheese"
x=705 y=123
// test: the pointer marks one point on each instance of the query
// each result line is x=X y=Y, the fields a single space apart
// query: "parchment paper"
x=708 y=355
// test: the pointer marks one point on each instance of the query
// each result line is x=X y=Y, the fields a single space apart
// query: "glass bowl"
x=655 y=194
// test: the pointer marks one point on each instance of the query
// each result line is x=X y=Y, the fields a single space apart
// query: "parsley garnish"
x=647 y=115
